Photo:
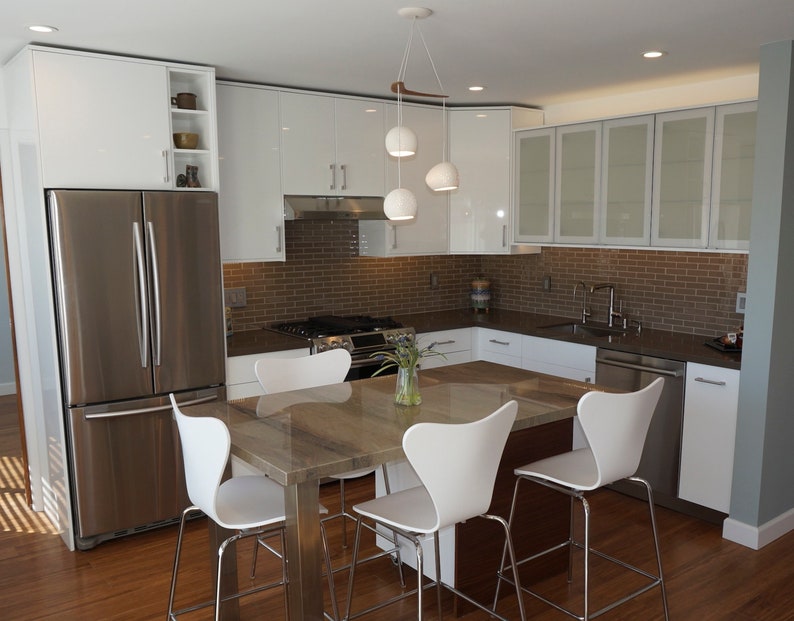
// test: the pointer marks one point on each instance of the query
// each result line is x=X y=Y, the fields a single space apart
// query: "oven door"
x=362 y=366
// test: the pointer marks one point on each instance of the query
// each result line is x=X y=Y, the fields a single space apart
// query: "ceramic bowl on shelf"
x=185 y=140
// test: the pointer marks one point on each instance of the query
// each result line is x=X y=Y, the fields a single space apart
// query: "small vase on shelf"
x=407 y=390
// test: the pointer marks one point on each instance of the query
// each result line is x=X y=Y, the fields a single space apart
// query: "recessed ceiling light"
x=476 y=89
x=654 y=54
x=42 y=28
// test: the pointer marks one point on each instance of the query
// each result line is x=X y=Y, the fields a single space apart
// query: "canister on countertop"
x=480 y=294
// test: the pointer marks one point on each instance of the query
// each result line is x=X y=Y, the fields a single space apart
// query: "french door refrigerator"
x=139 y=312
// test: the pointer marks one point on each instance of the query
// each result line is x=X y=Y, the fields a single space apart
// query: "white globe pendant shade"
x=443 y=176
x=401 y=141
x=400 y=204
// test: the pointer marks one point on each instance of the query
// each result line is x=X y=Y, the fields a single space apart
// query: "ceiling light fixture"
x=401 y=141
x=42 y=28
x=654 y=54
x=476 y=89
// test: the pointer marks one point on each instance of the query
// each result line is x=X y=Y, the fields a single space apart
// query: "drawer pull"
x=703 y=380
x=499 y=342
x=450 y=342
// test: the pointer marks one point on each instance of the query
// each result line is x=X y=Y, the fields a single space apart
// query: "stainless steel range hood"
x=333 y=207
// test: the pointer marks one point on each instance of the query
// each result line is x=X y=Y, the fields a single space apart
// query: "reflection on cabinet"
x=104 y=121
x=481 y=148
x=332 y=145
x=732 y=182
x=454 y=344
x=561 y=358
x=682 y=177
x=627 y=168
x=250 y=201
x=427 y=232
x=709 y=432
x=578 y=179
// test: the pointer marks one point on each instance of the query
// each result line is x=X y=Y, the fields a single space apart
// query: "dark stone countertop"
x=672 y=345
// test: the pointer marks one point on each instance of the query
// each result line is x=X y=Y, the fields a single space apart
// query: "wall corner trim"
x=756 y=537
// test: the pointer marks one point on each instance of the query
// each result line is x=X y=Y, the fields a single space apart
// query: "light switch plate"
x=234 y=297
x=741 y=302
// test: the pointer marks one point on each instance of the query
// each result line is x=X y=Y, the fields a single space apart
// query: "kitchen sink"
x=581 y=329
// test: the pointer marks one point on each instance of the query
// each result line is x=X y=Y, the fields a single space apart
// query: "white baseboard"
x=756 y=537
x=8 y=389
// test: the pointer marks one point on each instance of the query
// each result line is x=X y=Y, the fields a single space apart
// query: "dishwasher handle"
x=638 y=367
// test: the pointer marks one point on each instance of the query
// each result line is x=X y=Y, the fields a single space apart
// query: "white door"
x=308 y=144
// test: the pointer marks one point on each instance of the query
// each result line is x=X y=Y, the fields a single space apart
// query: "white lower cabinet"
x=498 y=346
x=454 y=344
x=709 y=433
x=560 y=358
x=241 y=380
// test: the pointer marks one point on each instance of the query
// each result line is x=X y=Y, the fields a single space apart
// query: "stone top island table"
x=299 y=437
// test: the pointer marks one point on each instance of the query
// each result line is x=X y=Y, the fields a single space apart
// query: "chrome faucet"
x=585 y=310
x=613 y=314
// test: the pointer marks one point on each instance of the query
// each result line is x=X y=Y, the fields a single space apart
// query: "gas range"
x=361 y=335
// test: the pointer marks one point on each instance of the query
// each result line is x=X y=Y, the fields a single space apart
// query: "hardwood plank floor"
x=708 y=578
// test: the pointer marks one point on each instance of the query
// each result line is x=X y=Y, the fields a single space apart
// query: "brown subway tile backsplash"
x=692 y=292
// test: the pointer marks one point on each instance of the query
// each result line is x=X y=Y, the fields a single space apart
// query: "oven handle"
x=357 y=363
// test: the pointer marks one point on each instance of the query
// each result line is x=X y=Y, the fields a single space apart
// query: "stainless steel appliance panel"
x=661 y=456
x=97 y=243
x=187 y=322
x=127 y=471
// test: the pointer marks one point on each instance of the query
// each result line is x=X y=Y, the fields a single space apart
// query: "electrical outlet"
x=234 y=297
x=741 y=302
x=433 y=280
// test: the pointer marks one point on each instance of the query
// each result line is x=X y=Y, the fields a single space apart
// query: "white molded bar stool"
x=615 y=426
x=323 y=369
x=251 y=505
x=455 y=486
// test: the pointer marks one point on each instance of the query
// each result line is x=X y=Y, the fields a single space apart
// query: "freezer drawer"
x=127 y=470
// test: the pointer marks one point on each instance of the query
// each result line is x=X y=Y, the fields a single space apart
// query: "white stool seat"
x=615 y=426
x=249 y=502
x=456 y=485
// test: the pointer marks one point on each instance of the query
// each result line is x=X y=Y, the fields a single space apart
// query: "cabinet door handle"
x=499 y=342
x=344 y=176
x=333 y=176
x=393 y=237
x=703 y=380
x=450 y=342
x=278 y=239
x=504 y=236
x=167 y=175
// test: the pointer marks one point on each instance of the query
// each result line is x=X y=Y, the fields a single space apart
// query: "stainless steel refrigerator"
x=139 y=311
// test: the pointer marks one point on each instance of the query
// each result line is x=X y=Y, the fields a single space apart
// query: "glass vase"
x=407 y=391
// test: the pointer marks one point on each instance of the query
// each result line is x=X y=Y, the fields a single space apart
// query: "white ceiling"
x=531 y=52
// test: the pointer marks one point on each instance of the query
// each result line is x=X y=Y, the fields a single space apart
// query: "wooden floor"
x=708 y=578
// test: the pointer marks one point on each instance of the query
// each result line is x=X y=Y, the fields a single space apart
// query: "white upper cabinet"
x=250 y=202
x=104 y=122
x=732 y=181
x=332 y=146
x=627 y=169
x=481 y=147
x=682 y=178
x=427 y=232
x=534 y=181
x=578 y=182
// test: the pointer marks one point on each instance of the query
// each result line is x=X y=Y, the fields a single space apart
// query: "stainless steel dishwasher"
x=661 y=456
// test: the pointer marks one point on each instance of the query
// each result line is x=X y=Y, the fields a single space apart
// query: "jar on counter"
x=480 y=295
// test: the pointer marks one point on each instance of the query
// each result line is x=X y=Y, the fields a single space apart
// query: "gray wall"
x=763 y=479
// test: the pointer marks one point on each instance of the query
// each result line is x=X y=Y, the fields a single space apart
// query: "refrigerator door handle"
x=143 y=320
x=155 y=276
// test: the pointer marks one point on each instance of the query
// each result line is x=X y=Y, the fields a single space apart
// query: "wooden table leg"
x=304 y=551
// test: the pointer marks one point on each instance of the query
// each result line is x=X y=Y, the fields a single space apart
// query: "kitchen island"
x=299 y=437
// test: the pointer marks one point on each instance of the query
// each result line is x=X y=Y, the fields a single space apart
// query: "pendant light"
x=400 y=204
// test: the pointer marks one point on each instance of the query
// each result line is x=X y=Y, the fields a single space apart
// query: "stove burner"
x=330 y=325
